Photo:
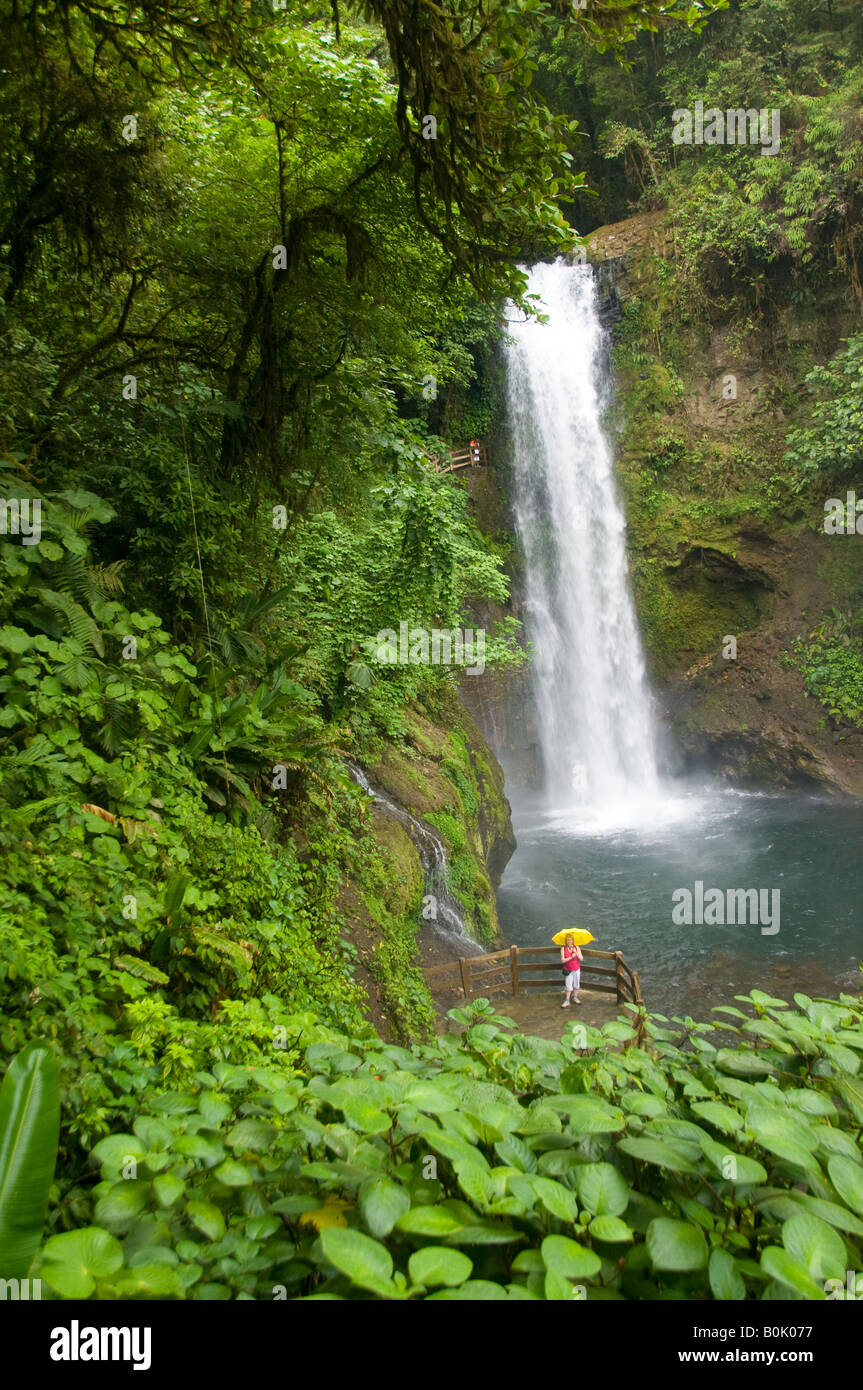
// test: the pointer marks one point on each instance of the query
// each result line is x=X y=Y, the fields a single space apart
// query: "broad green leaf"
x=556 y=1198
x=836 y=1141
x=207 y=1218
x=654 y=1151
x=610 y=1229
x=743 y=1063
x=852 y=1093
x=118 y=1208
x=781 y=1265
x=365 y=1261
x=168 y=1188
x=496 y=1119
x=733 y=1167
x=790 y=1151
x=675 y=1245
x=430 y=1098
x=154 y=1135
x=811 y=1102
x=381 y=1203
x=816 y=1245
x=73 y=1262
x=483 y=1233
x=251 y=1136
x=474 y=1291
x=455 y=1148
x=783 y=1204
x=784 y=1123
x=214 y=1109
x=557 y=1289
x=262 y=1227
x=141 y=969
x=366 y=1117
x=514 y=1153
x=234 y=1174
x=428 y=1221
x=29 y=1133
x=726 y=1283
x=847 y=1178
x=436 y=1264
x=588 y=1114
x=602 y=1189
x=569 y=1259
x=475 y=1182
x=209 y=1151
x=717 y=1113
x=150 y=1281
x=642 y=1103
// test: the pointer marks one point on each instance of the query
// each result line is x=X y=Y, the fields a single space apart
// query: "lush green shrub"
x=831 y=661
x=492 y=1165
x=833 y=441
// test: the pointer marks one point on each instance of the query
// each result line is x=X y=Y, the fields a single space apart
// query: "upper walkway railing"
x=474 y=456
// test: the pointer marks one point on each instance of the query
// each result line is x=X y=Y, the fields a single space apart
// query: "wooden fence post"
x=618 y=977
x=465 y=978
x=513 y=955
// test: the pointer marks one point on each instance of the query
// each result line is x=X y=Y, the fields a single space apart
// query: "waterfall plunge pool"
x=574 y=869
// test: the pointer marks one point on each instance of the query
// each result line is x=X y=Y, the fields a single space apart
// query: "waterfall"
x=448 y=920
x=593 y=706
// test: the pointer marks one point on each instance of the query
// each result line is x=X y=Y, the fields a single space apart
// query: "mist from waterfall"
x=596 y=728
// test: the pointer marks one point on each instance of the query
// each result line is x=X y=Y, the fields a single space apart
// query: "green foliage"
x=29 y=1131
x=833 y=441
x=148 y=926
x=831 y=661
x=490 y=1165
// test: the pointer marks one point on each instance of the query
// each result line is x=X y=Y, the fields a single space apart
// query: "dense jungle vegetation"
x=254 y=263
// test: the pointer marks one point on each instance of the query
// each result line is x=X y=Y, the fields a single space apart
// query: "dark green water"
x=618 y=883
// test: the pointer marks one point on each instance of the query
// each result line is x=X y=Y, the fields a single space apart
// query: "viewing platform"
x=474 y=456
x=531 y=980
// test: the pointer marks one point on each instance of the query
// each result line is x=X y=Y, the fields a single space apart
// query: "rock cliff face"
x=445 y=776
x=721 y=545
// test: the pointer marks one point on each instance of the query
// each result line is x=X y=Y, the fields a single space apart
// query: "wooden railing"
x=465 y=458
x=520 y=969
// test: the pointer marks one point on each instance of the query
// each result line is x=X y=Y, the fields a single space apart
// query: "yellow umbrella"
x=579 y=935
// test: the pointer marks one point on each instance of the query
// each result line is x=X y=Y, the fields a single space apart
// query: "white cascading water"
x=593 y=706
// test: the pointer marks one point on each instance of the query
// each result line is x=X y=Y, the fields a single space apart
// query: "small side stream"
x=448 y=920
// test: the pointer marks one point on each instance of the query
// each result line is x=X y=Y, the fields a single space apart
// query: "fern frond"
x=118 y=727
x=78 y=673
x=79 y=622
x=108 y=577
x=240 y=957
x=141 y=969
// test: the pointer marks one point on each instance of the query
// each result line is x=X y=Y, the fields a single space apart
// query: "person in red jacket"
x=571 y=958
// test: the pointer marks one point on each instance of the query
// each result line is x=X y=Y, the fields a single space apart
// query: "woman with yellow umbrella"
x=570 y=943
